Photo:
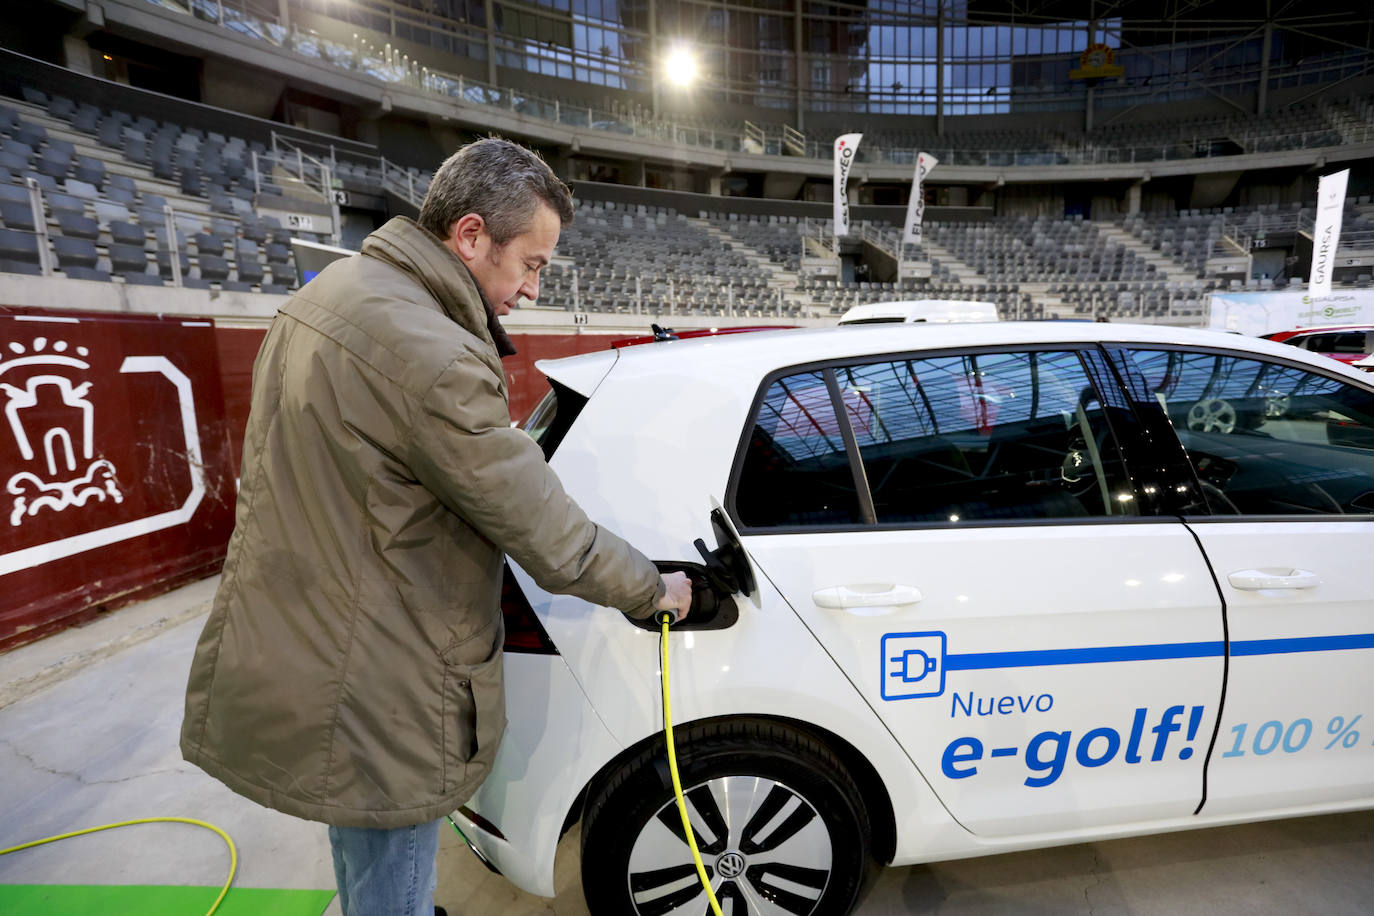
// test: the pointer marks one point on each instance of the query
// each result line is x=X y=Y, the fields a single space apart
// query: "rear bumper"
x=554 y=743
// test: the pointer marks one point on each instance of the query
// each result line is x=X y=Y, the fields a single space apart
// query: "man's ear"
x=467 y=236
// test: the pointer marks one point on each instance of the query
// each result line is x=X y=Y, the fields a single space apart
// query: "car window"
x=984 y=436
x=1337 y=342
x=949 y=439
x=548 y=423
x=796 y=469
x=1265 y=438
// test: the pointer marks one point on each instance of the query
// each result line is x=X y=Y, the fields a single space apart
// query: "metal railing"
x=389 y=64
x=313 y=176
x=167 y=236
x=654 y=296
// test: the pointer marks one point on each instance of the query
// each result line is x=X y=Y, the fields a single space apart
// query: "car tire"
x=815 y=859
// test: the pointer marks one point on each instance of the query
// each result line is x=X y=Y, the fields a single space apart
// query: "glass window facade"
x=902 y=57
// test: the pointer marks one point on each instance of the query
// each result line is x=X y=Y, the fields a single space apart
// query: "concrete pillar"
x=283 y=15
x=76 y=55
x=489 y=12
x=1262 y=97
x=1133 y=199
x=799 y=63
x=940 y=68
x=655 y=71
x=714 y=185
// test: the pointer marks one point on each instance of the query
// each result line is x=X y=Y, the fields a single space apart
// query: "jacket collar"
x=405 y=244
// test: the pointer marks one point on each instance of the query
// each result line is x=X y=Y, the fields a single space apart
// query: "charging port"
x=711 y=609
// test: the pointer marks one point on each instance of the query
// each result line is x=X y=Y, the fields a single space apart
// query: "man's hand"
x=677 y=593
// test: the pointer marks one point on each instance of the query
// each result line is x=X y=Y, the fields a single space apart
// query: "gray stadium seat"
x=126 y=233
x=72 y=252
x=79 y=227
x=21 y=247
x=17 y=215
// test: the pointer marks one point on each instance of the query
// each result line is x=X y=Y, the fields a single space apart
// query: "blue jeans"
x=386 y=872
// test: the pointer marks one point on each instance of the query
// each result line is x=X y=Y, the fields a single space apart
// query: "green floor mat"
x=155 y=900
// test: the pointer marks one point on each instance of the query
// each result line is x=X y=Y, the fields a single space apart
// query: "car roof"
x=761 y=352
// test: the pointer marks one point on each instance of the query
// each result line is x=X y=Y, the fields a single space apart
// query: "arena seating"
x=679 y=264
x=106 y=179
x=1304 y=126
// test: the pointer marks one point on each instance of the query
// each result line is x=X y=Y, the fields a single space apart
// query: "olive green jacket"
x=350 y=669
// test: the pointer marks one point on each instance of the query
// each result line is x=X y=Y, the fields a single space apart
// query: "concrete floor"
x=89 y=721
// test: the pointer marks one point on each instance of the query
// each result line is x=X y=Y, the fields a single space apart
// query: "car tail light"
x=523 y=630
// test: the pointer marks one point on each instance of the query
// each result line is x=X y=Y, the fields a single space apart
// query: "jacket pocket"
x=474 y=718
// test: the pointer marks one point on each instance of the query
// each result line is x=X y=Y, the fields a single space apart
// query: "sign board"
x=115 y=456
x=1236 y=264
x=299 y=221
x=846 y=148
x=1326 y=232
x=819 y=267
x=1263 y=313
x=1098 y=61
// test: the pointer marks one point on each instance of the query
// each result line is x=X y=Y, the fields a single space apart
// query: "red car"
x=1347 y=343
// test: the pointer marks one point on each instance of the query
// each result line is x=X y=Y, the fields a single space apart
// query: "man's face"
x=507 y=272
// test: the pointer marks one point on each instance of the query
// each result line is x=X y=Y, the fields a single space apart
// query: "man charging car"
x=350 y=671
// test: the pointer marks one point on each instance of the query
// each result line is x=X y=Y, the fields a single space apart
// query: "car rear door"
x=1290 y=536
x=964 y=538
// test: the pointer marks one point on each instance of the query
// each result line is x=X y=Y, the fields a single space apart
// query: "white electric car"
x=965 y=589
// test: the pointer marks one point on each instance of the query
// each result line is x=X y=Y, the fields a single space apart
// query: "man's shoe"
x=440 y=911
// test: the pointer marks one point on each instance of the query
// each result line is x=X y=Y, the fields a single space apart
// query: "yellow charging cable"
x=672 y=768
x=233 y=853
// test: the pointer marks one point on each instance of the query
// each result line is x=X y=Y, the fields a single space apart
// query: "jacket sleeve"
x=464 y=451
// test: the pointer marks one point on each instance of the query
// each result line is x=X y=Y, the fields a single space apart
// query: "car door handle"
x=867 y=600
x=1256 y=579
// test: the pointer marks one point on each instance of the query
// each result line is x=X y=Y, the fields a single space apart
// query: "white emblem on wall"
x=59 y=469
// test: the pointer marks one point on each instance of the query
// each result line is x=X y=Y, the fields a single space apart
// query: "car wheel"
x=779 y=823
x=1214 y=415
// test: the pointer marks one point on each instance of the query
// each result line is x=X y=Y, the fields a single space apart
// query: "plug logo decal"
x=913 y=665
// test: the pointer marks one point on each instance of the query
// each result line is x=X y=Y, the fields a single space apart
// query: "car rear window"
x=551 y=418
x=1342 y=342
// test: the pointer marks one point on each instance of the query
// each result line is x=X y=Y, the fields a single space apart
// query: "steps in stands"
x=961 y=273
x=1164 y=265
x=777 y=276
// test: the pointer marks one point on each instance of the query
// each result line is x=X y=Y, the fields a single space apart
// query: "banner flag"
x=846 y=146
x=1326 y=234
x=916 y=209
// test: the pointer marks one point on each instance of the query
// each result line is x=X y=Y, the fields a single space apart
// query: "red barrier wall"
x=239 y=346
x=115 y=452
x=121 y=445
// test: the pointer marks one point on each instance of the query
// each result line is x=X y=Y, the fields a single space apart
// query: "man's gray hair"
x=502 y=182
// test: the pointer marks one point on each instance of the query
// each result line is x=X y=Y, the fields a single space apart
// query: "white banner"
x=1263 y=313
x=846 y=147
x=916 y=209
x=1326 y=235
